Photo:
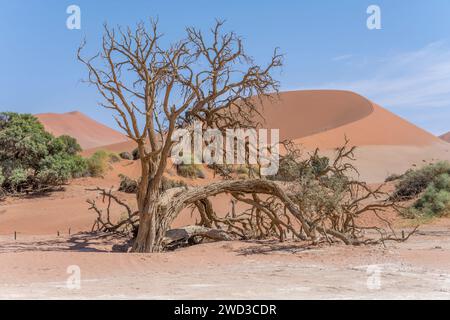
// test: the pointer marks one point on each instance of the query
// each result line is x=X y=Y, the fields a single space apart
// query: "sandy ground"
x=37 y=267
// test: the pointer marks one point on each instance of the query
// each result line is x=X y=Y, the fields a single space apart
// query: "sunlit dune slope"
x=88 y=132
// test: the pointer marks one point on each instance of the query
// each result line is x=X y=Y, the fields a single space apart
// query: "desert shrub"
x=126 y=155
x=435 y=201
x=290 y=169
x=18 y=178
x=242 y=170
x=2 y=177
x=170 y=184
x=413 y=182
x=127 y=184
x=57 y=169
x=65 y=144
x=31 y=158
x=100 y=161
x=393 y=177
x=190 y=171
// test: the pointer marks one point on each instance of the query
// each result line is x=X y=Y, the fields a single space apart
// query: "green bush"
x=59 y=168
x=31 y=158
x=435 y=201
x=413 y=182
x=100 y=161
x=66 y=145
x=2 y=177
x=18 y=178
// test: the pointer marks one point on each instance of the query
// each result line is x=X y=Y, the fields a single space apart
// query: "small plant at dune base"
x=393 y=177
x=192 y=171
x=32 y=159
x=129 y=185
x=126 y=156
x=414 y=182
x=435 y=201
x=99 y=163
x=170 y=184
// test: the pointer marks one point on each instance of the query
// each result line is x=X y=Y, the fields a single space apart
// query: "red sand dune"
x=446 y=137
x=385 y=143
x=322 y=118
x=88 y=132
x=303 y=113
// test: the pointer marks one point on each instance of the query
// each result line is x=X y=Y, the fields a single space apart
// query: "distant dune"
x=446 y=137
x=313 y=118
x=322 y=119
x=88 y=132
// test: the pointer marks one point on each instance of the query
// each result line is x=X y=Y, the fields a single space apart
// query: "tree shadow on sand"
x=268 y=247
x=81 y=242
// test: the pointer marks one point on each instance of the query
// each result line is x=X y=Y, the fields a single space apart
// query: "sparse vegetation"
x=192 y=171
x=393 y=177
x=31 y=159
x=100 y=161
x=291 y=169
x=435 y=201
x=170 y=184
x=414 y=182
x=127 y=184
x=126 y=155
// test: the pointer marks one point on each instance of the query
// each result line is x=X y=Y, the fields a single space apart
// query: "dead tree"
x=153 y=90
x=315 y=199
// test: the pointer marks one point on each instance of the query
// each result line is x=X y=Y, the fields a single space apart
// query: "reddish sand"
x=299 y=114
x=37 y=267
x=446 y=137
x=89 y=133
x=127 y=146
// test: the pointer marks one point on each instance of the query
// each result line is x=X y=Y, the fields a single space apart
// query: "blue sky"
x=404 y=67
